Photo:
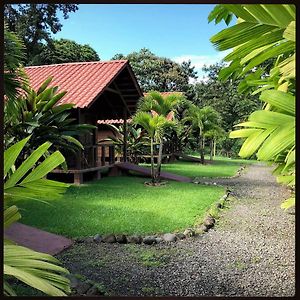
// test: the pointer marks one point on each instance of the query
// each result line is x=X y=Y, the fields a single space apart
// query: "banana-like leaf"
x=11 y=154
x=36 y=269
x=242 y=133
x=286 y=179
x=53 y=101
x=253 y=142
x=44 y=85
x=290 y=32
x=50 y=163
x=283 y=101
x=27 y=165
x=288 y=68
x=271 y=118
x=288 y=203
x=72 y=140
x=281 y=139
x=11 y=215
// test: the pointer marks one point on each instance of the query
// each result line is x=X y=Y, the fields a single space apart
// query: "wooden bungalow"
x=99 y=91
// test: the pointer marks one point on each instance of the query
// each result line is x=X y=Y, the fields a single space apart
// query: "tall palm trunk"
x=152 y=162
x=201 y=150
x=211 y=149
x=159 y=159
x=215 y=144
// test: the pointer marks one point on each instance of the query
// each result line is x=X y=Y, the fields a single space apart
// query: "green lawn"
x=219 y=167
x=121 y=205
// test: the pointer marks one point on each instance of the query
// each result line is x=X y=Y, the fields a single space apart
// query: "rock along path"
x=250 y=252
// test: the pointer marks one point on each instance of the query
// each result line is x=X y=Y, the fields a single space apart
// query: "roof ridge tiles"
x=81 y=63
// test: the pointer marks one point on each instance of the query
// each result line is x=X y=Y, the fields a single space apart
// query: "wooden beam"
x=110 y=105
x=112 y=90
x=122 y=98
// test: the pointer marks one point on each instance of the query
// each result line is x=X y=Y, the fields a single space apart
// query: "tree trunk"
x=211 y=150
x=201 y=151
x=215 y=144
x=159 y=159
x=152 y=162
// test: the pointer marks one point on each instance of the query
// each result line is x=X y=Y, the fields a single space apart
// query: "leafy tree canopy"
x=63 y=51
x=159 y=73
x=34 y=23
x=223 y=96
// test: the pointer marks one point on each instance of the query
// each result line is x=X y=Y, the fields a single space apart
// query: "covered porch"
x=99 y=91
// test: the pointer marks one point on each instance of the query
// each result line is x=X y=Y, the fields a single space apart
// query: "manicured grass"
x=121 y=205
x=219 y=167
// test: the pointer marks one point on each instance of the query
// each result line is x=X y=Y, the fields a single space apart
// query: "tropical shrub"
x=39 y=115
x=155 y=126
x=39 y=270
x=136 y=140
x=165 y=106
x=204 y=122
x=264 y=33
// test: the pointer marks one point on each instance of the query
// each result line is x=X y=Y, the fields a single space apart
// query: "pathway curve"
x=250 y=252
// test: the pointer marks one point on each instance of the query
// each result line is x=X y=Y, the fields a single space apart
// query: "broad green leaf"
x=281 y=100
x=283 y=14
x=53 y=101
x=253 y=142
x=255 y=52
x=72 y=140
x=238 y=34
x=27 y=165
x=44 y=85
x=12 y=153
x=240 y=12
x=268 y=54
x=242 y=133
x=288 y=203
x=286 y=179
x=11 y=215
x=50 y=163
x=281 y=139
x=260 y=14
x=290 y=159
x=248 y=47
x=33 y=280
x=290 y=32
x=278 y=169
x=288 y=68
x=271 y=118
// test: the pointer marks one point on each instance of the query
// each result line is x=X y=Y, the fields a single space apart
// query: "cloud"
x=198 y=61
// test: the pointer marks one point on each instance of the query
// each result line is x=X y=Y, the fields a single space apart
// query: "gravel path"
x=250 y=252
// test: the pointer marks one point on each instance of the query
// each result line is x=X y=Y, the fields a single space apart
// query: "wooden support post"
x=102 y=155
x=125 y=137
x=98 y=175
x=78 y=178
x=111 y=156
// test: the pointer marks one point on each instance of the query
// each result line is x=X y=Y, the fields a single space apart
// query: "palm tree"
x=214 y=134
x=264 y=33
x=154 y=125
x=164 y=106
x=201 y=120
x=39 y=270
x=135 y=140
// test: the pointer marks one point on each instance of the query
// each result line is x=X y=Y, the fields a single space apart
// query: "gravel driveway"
x=250 y=251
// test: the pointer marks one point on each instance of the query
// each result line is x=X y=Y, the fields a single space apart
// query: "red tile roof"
x=167 y=93
x=112 y=121
x=83 y=81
